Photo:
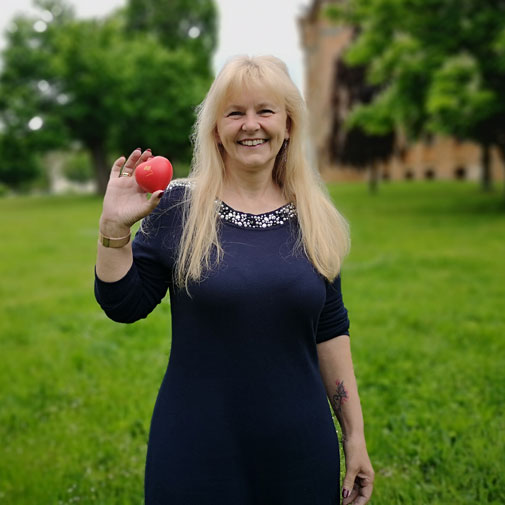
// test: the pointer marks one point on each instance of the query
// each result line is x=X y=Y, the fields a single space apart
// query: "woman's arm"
x=113 y=264
x=337 y=372
x=127 y=290
x=124 y=204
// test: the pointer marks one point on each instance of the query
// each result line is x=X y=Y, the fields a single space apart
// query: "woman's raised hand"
x=125 y=202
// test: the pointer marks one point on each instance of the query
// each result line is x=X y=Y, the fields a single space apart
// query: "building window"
x=429 y=139
x=429 y=174
x=409 y=174
x=460 y=173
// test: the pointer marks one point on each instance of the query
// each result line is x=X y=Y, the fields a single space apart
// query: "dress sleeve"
x=333 y=320
x=144 y=286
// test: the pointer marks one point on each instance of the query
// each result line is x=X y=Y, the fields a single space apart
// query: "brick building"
x=441 y=158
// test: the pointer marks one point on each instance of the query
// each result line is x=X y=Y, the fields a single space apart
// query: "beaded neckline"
x=276 y=217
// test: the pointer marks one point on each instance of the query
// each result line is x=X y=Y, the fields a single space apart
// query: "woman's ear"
x=288 y=127
x=217 y=137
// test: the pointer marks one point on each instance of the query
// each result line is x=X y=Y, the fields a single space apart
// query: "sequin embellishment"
x=265 y=220
x=179 y=183
x=243 y=219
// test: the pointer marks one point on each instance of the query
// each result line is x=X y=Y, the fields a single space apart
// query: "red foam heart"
x=154 y=174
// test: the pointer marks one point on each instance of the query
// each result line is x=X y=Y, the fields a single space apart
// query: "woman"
x=250 y=248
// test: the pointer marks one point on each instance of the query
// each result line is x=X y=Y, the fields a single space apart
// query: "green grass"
x=425 y=288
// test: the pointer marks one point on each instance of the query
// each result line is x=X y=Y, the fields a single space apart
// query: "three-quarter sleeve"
x=146 y=283
x=135 y=295
x=333 y=320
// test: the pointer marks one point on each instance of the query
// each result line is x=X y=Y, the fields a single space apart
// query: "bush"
x=77 y=167
x=3 y=190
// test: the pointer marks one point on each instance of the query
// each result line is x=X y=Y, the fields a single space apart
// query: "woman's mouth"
x=252 y=142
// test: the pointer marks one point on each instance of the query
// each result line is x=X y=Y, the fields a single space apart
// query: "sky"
x=259 y=27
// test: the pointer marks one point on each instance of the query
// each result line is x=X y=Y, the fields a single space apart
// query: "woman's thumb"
x=155 y=199
x=348 y=485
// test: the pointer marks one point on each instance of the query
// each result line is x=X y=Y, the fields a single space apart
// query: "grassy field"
x=425 y=288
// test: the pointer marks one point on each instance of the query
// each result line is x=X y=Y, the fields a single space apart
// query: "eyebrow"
x=260 y=106
x=266 y=104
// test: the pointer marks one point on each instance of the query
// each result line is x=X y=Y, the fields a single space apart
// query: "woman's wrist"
x=113 y=241
x=112 y=234
x=113 y=229
x=353 y=437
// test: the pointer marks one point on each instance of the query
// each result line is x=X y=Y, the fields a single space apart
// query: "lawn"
x=425 y=288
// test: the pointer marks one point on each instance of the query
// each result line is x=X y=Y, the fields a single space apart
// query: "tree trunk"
x=486 y=167
x=501 y=150
x=100 y=165
x=373 y=182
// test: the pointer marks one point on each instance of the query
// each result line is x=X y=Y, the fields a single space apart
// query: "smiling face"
x=252 y=126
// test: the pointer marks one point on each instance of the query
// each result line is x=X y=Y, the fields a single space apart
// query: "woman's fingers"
x=144 y=157
x=350 y=497
x=127 y=166
x=361 y=491
x=131 y=162
x=349 y=484
x=116 y=167
x=154 y=201
x=364 y=495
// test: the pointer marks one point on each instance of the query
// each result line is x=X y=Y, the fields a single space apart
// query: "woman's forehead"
x=254 y=93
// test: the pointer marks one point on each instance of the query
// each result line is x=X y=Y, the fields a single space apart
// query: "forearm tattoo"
x=340 y=397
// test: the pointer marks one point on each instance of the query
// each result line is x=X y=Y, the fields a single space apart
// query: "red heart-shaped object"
x=154 y=174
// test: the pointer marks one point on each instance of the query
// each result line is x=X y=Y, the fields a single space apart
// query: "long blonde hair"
x=324 y=234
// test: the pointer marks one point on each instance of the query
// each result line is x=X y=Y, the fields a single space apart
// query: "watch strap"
x=113 y=242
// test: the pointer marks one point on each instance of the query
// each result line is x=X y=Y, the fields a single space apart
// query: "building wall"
x=442 y=158
x=322 y=42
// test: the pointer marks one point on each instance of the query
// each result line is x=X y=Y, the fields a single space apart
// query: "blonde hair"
x=324 y=234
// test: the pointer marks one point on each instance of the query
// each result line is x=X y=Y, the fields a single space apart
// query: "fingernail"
x=160 y=195
x=138 y=149
x=148 y=149
x=345 y=493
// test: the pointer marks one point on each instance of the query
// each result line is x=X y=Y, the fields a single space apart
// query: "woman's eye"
x=234 y=113
x=266 y=111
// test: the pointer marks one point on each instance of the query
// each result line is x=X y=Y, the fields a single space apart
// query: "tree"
x=351 y=144
x=19 y=165
x=25 y=97
x=98 y=83
x=188 y=24
x=440 y=63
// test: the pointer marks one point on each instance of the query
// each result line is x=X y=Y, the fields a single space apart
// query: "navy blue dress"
x=241 y=417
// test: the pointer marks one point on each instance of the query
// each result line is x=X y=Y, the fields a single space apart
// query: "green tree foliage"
x=19 y=163
x=351 y=144
x=99 y=82
x=25 y=93
x=188 y=24
x=440 y=64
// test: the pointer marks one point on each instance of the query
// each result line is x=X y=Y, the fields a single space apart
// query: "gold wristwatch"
x=113 y=242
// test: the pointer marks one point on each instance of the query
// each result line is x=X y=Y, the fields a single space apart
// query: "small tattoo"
x=340 y=397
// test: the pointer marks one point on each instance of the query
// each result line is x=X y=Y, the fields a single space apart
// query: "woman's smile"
x=252 y=142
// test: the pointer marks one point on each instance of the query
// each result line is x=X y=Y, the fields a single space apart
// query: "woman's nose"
x=250 y=122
